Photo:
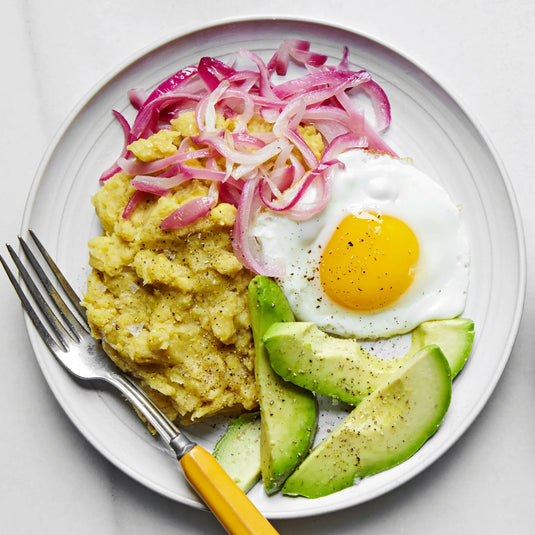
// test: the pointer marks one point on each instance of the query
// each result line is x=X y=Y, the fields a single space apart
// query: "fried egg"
x=387 y=253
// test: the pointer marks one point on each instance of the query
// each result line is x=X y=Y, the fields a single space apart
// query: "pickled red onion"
x=124 y=151
x=270 y=170
x=189 y=212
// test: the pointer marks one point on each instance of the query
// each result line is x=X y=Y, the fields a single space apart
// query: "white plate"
x=428 y=125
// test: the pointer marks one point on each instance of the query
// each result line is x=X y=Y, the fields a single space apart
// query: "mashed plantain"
x=171 y=306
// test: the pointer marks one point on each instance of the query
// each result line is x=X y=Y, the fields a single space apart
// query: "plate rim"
x=508 y=341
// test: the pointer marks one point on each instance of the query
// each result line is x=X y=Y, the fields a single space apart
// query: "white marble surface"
x=53 y=52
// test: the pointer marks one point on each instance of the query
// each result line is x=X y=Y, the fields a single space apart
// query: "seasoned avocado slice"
x=387 y=428
x=288 y=413
x=238 y=450
x=455 y=337
x=339 y=367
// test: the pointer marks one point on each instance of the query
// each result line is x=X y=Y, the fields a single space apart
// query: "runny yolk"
x=369 y=262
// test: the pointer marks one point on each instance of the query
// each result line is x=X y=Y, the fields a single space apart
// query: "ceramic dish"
x=428 y=125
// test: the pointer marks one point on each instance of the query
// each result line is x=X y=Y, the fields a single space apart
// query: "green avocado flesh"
x=385 y=429
x=238 y=450
x=303 y=354
x=455 y=337
x=288 y=413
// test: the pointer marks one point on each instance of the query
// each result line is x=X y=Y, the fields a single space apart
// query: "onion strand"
x=273 y=168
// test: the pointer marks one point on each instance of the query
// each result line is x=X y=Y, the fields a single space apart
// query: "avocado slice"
x=454 y=336
x=288 y=413
x=387 y=428
x=339 y=367
x=238 y=450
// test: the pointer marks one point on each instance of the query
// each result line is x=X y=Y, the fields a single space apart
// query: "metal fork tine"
x=51 y=318
x=59 y=276
x=70 y=319
x=43 y=332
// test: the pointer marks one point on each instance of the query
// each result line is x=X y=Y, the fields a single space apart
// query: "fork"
x=68 y=337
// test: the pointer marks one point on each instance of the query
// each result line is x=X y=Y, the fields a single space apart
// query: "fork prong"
x=72 y=322
x=59 y=276
x=43 y=331
x=40 y=301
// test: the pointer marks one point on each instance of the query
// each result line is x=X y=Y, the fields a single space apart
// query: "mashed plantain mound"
x=171 y=305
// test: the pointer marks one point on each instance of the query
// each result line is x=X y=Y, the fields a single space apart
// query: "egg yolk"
x=369 y=262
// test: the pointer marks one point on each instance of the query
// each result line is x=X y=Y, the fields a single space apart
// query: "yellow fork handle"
x=226 y=500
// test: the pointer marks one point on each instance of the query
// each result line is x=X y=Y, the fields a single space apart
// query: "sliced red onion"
x=141 y=184
x=246 y=158
x=289 y=118
x=170 y=171
x=146 y=168
x=248 y=141
x=229 y=194
x=202 y=173
x=318 y=96
x=292 y=195
x=147 y=120
x=340 y=116
x=308 y=58
x=344 y=62
x=213 y=192
x=354 y=115
x=279 y=180
x=308 y=154
x=282 y=158
x=262 y=171
x=245 y=80
x=252 y=160
x=158 y=185
x=124 y=151
x=207 y=122
x=285 y=195
x=243 y=244
x=297 y=49
x=137 y=97
x=342 y=144
x=309 y=82
x=298 y=166
x=298 y=44
x=330 y=129
x=188 y=213
x=173 y=82
x=265 y=84
x=212 y=71
x=279 y=61
x=136 y=198
x=321 y=181
x=286 y=126
x=381 y=104
x=247 y=113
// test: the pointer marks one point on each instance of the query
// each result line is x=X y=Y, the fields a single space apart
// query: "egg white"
x=383 y=185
